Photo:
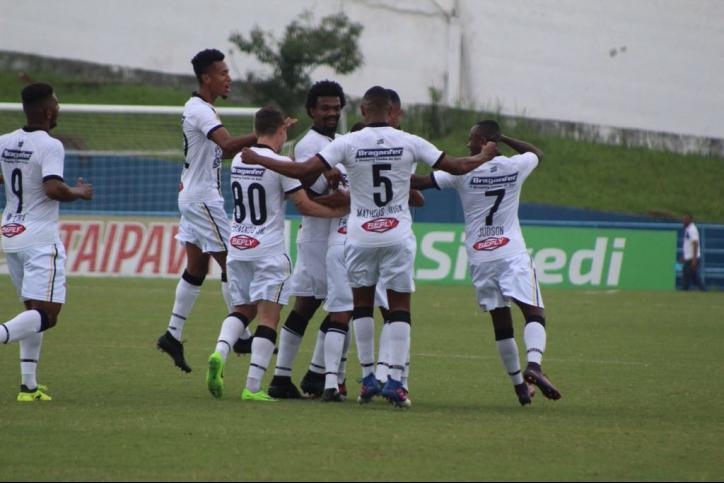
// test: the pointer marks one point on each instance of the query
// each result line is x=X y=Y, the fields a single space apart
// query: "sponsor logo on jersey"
x=485 y=181
x=490 y=244
x=342 y=230
x=16 y=155
x=12 y=230
x=381 y=225
x=378 y=153
x=244 y=242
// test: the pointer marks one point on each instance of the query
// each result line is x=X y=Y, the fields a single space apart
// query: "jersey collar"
x=319 y=131
x=263 y=146
x=378 y=124
x=33 y=129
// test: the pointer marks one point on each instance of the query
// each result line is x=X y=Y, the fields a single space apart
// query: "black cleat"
x=313 y=385
x=242 y=347
x=343 y=389
x=534 y=375
x=282 y=387
x=332 y=395
x=168 y=344
x=523 y=391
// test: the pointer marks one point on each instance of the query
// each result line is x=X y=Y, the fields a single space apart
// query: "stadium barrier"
x=569 y=257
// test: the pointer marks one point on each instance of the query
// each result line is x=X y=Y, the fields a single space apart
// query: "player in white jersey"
x=380 y=246
x=500 y=265
x=258 y=263
x=204 y=226
x=324 y=104
x=32 y=168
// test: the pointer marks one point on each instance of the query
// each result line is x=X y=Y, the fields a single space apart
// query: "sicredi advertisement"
x=588 y=258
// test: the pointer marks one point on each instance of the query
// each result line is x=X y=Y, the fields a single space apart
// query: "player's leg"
x=396 y=274
x=364 y=333
x=508 y=350
x=312 y=384
x=334 y=343
x=383 y=360
x=243 y=344
x=686 y=275
x=187 y=291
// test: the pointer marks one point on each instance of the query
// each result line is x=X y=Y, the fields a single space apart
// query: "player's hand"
x=335 y=199
x=334 y=178
x=84 y=189
x=289 y=122
x=249 y=156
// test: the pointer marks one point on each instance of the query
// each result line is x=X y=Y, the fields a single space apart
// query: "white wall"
x=645 y=64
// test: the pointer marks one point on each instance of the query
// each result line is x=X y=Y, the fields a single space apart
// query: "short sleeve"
x=205 y=119
x=334 y=152
x=53 y=162
x=444 y=180
x=319 y=186
x=525 y=163
x=426 y=152
x=694 y=233
x=290 y=185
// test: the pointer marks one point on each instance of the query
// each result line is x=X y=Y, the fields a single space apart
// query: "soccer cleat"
x=282 y=387
x=343 y=389
x=370 y=388
x=534 y=375
x=312 y=385
x=37 y=394
x=168 y=344
x=523 y=391
x=260 y=396
x=395 y=393
x=242 y=347
x=332 y=395
x=215 y=375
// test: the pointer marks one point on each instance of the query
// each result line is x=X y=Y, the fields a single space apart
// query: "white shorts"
x=204 y=225
x=391 y=267
x=39 y=273
x=261 y=279
x=310 y=271
x=499 y=281
x=339 y=293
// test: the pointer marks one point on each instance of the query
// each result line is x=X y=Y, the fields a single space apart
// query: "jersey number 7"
x=499 y=195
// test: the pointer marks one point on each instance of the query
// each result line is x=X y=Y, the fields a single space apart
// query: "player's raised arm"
x=308 y=207
x=231 y=145
x=56 y=189
x=311 y=167
x=459 y=166
x=522 y=147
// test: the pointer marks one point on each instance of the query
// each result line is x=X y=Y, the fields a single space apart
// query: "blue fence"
x=149 y=187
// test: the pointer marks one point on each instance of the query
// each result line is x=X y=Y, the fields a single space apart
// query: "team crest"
x=381 y=225
x=12 y=230
x=244 y=242
x=490 y=244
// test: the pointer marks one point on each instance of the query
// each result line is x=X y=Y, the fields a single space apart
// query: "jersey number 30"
x=257 y=203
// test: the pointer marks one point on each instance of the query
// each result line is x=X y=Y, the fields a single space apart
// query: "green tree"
x=304 y=47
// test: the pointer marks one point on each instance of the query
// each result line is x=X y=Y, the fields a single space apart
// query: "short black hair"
x=377 y=98
x=267 y=120
x=36 y=95
x=325 y=88
x=488 y=129
x=394 y=97
x=205 y=59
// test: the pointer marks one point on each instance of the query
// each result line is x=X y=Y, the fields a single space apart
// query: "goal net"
x=133 y=155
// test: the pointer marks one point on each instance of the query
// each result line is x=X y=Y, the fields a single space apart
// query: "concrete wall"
x=652 y=65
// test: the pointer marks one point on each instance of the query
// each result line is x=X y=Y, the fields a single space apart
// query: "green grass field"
x=637 y=370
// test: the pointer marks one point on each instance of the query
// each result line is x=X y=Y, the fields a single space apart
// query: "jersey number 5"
x=379 y=180
x=499 y=195
x=257 y=203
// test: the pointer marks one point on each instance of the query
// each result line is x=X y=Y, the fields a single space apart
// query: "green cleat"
x=26 y=395
x=215 y=375
x=261 y=396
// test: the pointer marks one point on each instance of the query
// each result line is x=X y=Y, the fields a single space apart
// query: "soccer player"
x=308 y=284
x=380 y=248
x=32 y=165
x=204 y=226
x=501 y=267
x=258 y=263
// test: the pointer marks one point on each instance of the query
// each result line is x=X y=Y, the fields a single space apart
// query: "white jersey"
x=691 y=235
x=201 y=177
x=313 y=229
x=29 y=158
x=379 y=159
x=490 y=196
x=338 y=226
x=257 y=228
